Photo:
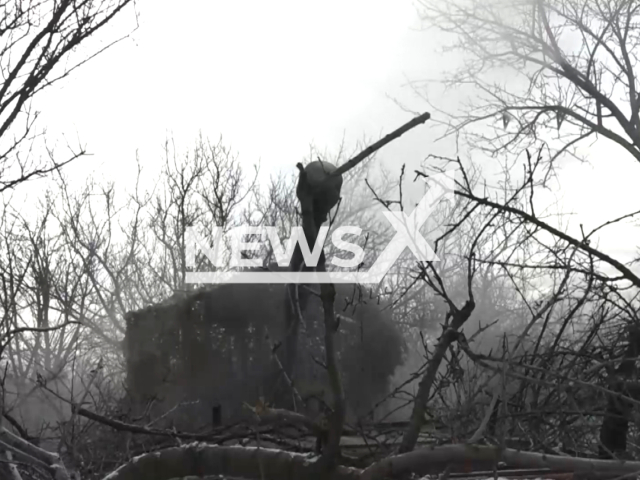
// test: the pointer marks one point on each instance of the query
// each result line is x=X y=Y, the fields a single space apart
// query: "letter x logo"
x=408 y=227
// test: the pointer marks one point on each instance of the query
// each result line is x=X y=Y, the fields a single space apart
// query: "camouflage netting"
x=214 y=347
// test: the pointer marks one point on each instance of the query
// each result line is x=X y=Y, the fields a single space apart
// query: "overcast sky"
x=271 y=78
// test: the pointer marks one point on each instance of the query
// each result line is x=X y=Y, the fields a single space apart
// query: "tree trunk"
x=615 y=424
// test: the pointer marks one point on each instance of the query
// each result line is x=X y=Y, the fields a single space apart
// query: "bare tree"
x=571 y=70
x=38 y=45
x=202 y=188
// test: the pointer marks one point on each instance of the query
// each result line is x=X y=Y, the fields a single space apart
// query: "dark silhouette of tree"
x=38 y=47
x=571 y=66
